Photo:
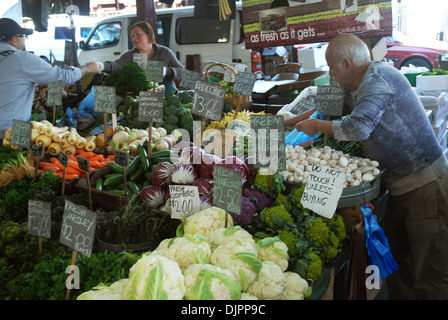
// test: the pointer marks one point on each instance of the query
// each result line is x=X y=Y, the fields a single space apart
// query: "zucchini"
x=115 y=167
x=133 y=166
x=110 y=175
x=160 y=159
x=118 y=192
x=112 y=181
x=162 y=153
x=99 y=184
x=143 y=157
x=132 y=187
x=138 y=173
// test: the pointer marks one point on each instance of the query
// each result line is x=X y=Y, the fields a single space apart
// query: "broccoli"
x=128 y=78
x=227 y=107
x=290 y=239
x=171 y=110
x=171 y=119
x=171 y=99
x=313 y=270
x=186 y=121
x=337 y=225
x=185 y=97
x=169 y=128
x=277 y=216
x=317 y=231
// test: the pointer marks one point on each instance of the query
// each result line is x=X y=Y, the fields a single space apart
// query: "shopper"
x=143 y=38
x=389 y=119
x=21 y=71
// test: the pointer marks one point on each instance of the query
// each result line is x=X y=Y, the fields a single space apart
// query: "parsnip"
x=90 y=145
x=71 y=149
x=58 y=137
x=72 y=136
x=43 y=140
x=54 y=148
x=51 y=131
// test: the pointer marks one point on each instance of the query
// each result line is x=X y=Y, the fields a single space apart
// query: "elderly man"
x=21 y=71
x=389 y=119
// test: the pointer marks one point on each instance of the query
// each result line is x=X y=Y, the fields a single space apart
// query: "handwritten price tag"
x=227 y=189
x=184 y=201
x=39 y=218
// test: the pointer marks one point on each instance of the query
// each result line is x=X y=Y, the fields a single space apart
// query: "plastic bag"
x=377 y=245
x=80 y=120
x=87 y=105
x=298 y=137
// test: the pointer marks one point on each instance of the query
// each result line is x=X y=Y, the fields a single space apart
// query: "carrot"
x=44 y=163
x=70 y=176
x=80 y=151
x=74 y=165
x=96 y=164
x=88 y=154
x=50 y=167
x=59 y=165
x=111 y=157
x=71 y=170
x=54 y=160
x=72 y=157
x=98 y=157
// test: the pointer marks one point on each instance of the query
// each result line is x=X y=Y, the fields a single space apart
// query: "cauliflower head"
x=103 y=292
x=275 y=250
x=240 y=258
x=187 y=250
x=206 y=221
x=270 y=283
x=224 y=235
x=154 y=277
x=296 y=287
x=209 y=282
x=248 y=296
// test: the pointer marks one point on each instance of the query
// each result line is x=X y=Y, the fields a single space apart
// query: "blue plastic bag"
x=87 y=105
x=295 y=137
x=377 y=244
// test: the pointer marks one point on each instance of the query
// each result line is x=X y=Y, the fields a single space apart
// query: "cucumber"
x=112 y=181
x=160 y=159
x=132 y=186
x=118 y=192
x=115 y=167
x=138 y=173
x=99 y=184
x=110 y=175
x=162 y=153
x=143 y=157
x=133 y=166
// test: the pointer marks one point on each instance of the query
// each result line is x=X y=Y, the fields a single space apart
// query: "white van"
x=58 y=31
x=188 y=37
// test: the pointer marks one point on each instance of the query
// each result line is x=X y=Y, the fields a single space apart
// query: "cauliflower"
x=209 y=282
x=240 y=258
x=103 y=292
x=270 y=283
x=187 y=250
x=206 y=221
x=248 y=209
x=223 y=235
x=296 y=287
x=260 y=199
x=248 y=296
x=275 y=250
x=155 y=277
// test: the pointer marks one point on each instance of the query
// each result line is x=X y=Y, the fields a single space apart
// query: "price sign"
x=330 y=100
x=189 y=79
x=323 y=189
x=39 y=218
x=84 y=164
x=37 y=151
x=238 y=67
x=227 y=189
x=244 y=83
x=54 y=94
x=104 y=99
x=304 y=104
x=21 y=133
x=63 y=159
x=140 y=59
x=270 y=137
x=150 y=106
x=154 y=71
x=208 y=100
x=122 y=158
x=78 y=228
x=184 y=201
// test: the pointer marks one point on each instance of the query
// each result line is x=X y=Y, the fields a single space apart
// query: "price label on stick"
x=227 y=189
x=184 y=201
x=54 y=93
x=150 y=106
x=104 y=99
x=208 y=100
x=330 y=100
x=323 y=189
x=270 y=137
x=244 y=83
x=84 y=164
x=37 y=151
x=140 y=59
x=122 y=158
x=78 y=228
x=21 y=133
x=39 y=218
x=154 y=71
x=189 y=79
x=63 y=159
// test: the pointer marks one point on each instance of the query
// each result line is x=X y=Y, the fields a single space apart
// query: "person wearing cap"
x=21 y=71
x=389 y=119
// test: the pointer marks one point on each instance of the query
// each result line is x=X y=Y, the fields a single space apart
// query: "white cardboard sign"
x=184 y=201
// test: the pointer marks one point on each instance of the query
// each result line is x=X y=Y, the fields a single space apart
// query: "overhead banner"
x=272 y=23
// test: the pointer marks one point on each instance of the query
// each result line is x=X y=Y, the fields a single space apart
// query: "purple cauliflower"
x=260 y=200
x=248 y=209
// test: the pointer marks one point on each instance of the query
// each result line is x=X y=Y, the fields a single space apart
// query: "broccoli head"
x=171 y=110
x=171 y=119
x=185 y=97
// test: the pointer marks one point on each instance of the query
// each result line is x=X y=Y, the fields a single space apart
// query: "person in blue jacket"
x=21 y=71
x=389 y=119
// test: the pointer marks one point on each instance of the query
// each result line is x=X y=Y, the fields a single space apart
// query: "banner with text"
x=310 y=21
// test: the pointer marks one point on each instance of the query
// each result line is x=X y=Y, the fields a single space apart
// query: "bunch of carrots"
x=72 y=171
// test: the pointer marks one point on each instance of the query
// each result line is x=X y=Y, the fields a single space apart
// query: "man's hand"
x=313 y=126
x=92 y=67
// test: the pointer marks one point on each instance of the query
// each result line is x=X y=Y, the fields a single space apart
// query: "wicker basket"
x=236 y=101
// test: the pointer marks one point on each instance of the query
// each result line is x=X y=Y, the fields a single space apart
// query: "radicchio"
x=153 y=196
x=184 y=174
x=209 y=160
x=205 y=186
x=161 y=174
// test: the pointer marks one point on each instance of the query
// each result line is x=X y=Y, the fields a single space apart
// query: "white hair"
x=353 y=49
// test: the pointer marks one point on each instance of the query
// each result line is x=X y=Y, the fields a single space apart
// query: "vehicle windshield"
x=105 y=35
